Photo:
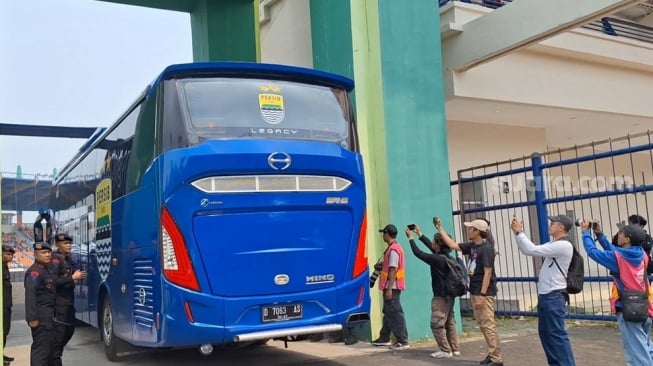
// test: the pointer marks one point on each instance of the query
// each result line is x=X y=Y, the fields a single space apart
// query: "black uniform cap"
x=42 y=246
x=62 y=237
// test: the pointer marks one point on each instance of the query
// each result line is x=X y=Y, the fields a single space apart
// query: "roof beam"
x=46 y=131
x=521 y=24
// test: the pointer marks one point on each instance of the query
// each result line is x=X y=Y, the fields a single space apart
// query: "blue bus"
x=227 y=204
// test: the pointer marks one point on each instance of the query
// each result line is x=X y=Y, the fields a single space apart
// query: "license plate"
x=282 y=312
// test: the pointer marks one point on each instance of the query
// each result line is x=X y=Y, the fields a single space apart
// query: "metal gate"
x=607 y=181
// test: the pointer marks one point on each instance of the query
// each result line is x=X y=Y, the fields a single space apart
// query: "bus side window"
x=118 y=145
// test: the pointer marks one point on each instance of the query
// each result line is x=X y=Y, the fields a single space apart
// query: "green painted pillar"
x=226 y=30
x=331 y=36
x=397 y=66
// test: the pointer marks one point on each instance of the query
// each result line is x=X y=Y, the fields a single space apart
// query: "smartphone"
x=436 y=219
x=411 y=227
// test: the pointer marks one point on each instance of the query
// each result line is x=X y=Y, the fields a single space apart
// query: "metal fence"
x=492 y=4
x=622 y=28
x=606 y=181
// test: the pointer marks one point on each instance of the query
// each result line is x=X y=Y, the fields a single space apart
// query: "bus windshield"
x=231 y=108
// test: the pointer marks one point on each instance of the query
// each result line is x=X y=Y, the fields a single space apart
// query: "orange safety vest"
x=631 y=281
x=401 y=273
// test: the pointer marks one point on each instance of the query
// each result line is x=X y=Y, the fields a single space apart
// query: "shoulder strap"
x=573 y=253
x=559 y=269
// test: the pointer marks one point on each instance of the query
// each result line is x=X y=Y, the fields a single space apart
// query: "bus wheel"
x=111 y=342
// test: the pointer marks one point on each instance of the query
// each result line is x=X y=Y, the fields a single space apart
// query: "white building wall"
x=472 y=144
x=286 y=32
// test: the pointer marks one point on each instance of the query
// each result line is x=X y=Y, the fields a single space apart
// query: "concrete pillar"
x=401 y=122
x=226 y=30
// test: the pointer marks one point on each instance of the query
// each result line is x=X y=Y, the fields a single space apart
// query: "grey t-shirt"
x=393 y=261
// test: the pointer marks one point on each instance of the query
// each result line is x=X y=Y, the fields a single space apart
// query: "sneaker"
x=400 y=345
x=380 y=342
x=440 y=354
x=485 y=361
x=456 y=353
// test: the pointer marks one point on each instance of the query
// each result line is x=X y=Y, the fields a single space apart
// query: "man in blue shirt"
x=636 y=336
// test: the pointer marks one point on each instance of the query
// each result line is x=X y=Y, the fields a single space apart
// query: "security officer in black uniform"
x=7 y=303
x=62 y=267
x=40 y=293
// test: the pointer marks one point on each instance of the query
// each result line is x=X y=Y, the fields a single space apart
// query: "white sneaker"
x=379 y=342
x=440 y=354
x=399 y=345
x=456 y=353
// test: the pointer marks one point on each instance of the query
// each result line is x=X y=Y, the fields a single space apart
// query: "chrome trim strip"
x=271 y=183
x=287 y=332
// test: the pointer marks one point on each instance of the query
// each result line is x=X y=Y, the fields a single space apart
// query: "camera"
x=593 y=223
x=377 y=270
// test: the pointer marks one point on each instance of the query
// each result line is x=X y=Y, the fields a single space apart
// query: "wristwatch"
x=483 y=294
x=518 y=232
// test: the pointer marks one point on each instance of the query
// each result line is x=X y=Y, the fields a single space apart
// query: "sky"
x=77 y=63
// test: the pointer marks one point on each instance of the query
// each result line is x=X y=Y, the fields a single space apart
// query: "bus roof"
x=282 y=72
x=235 y=69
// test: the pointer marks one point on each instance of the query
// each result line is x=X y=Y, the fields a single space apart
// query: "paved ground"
x=594 y=344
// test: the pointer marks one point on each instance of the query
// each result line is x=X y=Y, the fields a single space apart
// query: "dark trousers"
x=551 y=329
x=42 y=344
x=6 y=325
x=394 y=320
x=63 y=332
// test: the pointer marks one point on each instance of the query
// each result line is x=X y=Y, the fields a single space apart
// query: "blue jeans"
x=636 y=338
x=551 y=329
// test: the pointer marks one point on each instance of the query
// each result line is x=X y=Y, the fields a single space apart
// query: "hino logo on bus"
x=279 y=161
x=317 y=279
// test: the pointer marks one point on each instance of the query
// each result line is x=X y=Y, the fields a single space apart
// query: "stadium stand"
x=24 y=256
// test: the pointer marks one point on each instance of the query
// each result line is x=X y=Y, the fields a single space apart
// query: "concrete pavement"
x=593 y=343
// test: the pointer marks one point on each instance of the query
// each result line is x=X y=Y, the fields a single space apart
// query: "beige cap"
x=479 y=225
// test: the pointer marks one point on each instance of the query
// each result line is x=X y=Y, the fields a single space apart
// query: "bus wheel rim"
x=108 y=325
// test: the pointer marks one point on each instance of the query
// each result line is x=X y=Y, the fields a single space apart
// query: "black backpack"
x=454 y=283
x=575 y=274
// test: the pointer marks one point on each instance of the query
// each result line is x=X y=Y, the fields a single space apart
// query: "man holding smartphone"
x=551 y=286
x=482 y=282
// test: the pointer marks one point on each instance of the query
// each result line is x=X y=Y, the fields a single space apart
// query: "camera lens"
x=373 y=277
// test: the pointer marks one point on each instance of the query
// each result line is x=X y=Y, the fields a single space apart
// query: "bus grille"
x=271 y=183
x=143 y=292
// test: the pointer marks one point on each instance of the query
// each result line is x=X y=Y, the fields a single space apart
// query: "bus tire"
x=111 y=343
